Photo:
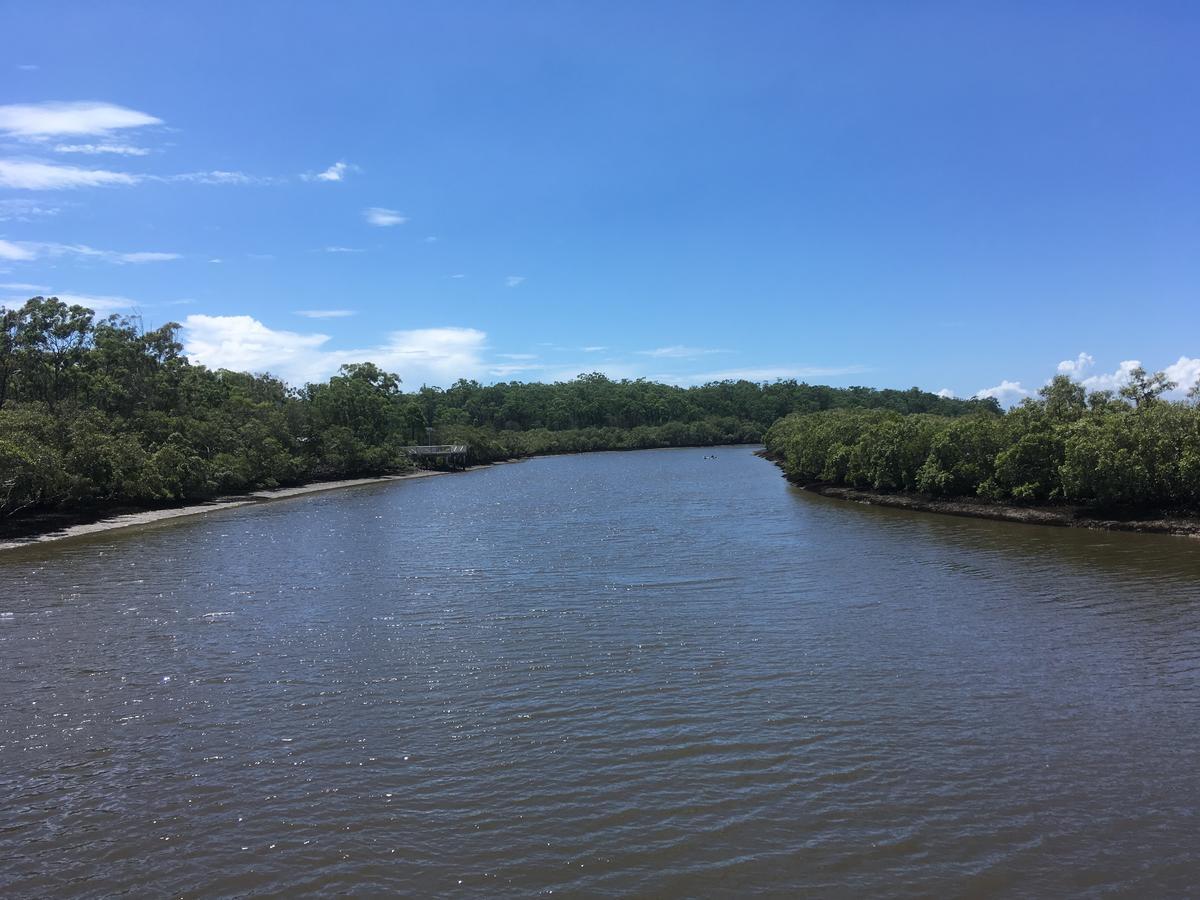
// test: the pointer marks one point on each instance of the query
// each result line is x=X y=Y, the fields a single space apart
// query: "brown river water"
x=649 y=674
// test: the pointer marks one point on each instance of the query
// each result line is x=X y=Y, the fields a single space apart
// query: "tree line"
x=102 y=412
x=1130 y=449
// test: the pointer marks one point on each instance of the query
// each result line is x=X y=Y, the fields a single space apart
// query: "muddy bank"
x=59 y=526
x=1061 y=516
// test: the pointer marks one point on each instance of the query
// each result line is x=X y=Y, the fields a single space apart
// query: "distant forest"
x=101 y=413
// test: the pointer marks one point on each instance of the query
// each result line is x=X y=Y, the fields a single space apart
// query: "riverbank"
x=1059 y=516
x=55 y=525
x=110 y=522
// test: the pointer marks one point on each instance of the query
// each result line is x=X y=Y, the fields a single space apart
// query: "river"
x=648 y=673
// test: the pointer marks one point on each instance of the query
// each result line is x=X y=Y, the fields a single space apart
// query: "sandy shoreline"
x=151 y=516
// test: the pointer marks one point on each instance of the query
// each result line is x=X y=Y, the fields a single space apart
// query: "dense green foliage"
x=594 y=401
x=104 y=413
x=1132 y=450
x=98 y=413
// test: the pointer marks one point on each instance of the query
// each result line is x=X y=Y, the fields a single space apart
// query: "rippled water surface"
x=638 y=673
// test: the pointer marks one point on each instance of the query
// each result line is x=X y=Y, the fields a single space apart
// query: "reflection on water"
x=616 y=673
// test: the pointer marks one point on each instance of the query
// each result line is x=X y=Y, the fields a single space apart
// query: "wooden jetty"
x=453 y=456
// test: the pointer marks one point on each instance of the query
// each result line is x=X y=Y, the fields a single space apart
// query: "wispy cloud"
x=594 y=349
x=139 y=257
x=382 y=217
x=507 y=370
x=23 y=286
x=41 y=120
x=766 y=373
x=28 y=67
x=513 y=280
x=99 y=303
x=216 y=176
x=34 y=175
x=117 y=149
x=14 y=252
x=343 y=250
x=336 y=172
x=325 y=313
x=517 y=356
x=19 y=209
x=39 y=176
x=30 y=250
x=680 y=352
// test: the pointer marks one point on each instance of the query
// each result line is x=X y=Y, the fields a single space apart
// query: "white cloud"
x=679 y=352
x=1111 y=381
x=458 y=275
x=242 y=343
x=92 y=149
x=39 y=176
x=28 y=67
x=513 y=280
x=1007 y=392
x=1185 y=372
x=30 y=250
x=946 y=392
x=39 y=120
x=325 y=313
x=22 y=286
x=245 y=344
x=383 y=218
x=344 y=250
x=433 y=355
x=517 y=356
x=1077 y=366
x=336 y=172
x=593 y=349
x=16 y=252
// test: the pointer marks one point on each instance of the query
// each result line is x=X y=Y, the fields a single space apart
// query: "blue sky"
x=957 y=196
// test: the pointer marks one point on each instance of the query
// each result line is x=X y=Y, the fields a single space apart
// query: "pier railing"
x=452 y=455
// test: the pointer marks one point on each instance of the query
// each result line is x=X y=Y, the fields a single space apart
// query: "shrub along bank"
x=1126 y=451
